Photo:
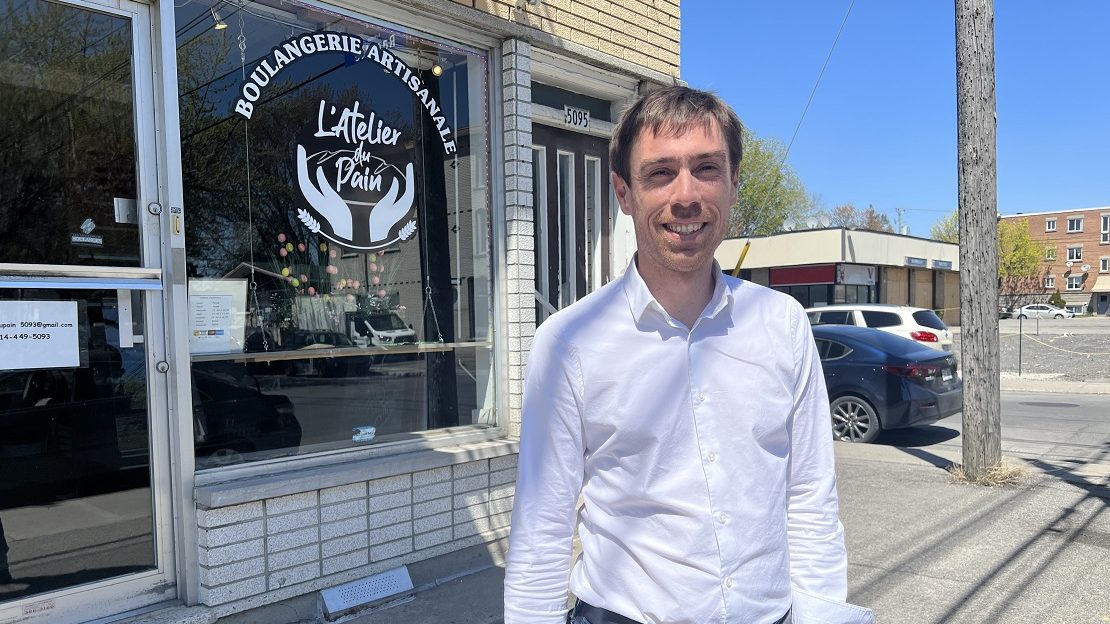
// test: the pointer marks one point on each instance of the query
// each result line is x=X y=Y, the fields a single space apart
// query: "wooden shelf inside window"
x=339 y=352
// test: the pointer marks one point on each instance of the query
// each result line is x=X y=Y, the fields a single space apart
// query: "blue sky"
x=882 y=126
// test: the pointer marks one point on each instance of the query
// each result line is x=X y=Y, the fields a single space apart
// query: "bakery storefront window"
x=337 y=239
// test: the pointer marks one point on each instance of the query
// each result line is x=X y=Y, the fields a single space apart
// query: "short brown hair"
x=673 y=109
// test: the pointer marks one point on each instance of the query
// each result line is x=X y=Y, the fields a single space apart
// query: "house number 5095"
x=576 y=117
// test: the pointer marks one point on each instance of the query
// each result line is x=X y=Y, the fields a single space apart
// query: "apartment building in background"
x=1075 y=258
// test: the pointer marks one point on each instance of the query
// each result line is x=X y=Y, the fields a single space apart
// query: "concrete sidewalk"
x=922 y=550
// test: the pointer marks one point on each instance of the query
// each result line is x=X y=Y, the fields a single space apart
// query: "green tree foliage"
x=847 y=215
x=770 y=192
x=947 y=229
x=1019 y=259
x=1056 y=299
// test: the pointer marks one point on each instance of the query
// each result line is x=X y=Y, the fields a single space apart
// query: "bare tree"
x=847 y=215
x=978 y=199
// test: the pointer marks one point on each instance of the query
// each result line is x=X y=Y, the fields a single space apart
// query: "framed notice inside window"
x=217 y=315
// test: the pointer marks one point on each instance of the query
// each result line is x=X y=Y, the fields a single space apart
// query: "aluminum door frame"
x=108 y=599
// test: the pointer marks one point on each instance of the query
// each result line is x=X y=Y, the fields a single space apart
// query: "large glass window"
x=338 y=245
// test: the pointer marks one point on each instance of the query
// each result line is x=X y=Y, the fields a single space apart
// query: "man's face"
x=679 y=197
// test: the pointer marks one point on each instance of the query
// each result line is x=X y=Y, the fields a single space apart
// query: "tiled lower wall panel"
x=276 y=548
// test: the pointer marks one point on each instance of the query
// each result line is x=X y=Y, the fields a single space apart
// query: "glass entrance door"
x=84 y=532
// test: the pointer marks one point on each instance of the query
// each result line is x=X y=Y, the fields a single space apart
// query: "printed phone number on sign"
x=24 y=336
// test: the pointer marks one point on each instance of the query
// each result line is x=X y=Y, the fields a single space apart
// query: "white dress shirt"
x=703 y=457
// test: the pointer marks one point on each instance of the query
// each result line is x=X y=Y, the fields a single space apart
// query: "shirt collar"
x=640 y=299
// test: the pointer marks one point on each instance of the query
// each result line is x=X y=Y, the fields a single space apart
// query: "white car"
x=917 y=324
x=1042 y=310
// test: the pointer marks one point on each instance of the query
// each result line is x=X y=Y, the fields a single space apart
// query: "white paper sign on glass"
x=217 y=311
x=38 y=334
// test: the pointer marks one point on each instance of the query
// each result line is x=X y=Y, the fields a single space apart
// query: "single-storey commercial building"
x=845 y=265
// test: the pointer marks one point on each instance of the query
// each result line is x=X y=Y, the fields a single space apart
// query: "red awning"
x=802 y=275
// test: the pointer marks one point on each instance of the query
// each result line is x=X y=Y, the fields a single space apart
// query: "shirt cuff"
x=522 y=616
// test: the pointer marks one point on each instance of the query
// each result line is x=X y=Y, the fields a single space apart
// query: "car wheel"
x=1022 y=316
x=854 y=420
x=1058 y=316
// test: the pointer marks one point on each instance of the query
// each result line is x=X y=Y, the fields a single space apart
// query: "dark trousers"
x=585 y=613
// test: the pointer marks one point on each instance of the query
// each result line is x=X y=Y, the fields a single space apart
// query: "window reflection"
x=67 y=138
x=338 y=246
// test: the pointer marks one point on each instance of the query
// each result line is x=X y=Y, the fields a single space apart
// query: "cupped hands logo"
x=341 y=183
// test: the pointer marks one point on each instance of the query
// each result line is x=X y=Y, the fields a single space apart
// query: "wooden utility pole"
x=978 y=202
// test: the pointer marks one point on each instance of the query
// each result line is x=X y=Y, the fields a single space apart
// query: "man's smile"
x=684 y=228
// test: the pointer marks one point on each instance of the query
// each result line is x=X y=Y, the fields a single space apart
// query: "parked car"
x=1005 y=312
x=233 y=417
x=918 y=324
x=1043 y=310
x=878 y=381
x=378 y=328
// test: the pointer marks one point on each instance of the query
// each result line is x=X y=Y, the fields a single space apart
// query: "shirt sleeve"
x=549 y=481
x=818 y=560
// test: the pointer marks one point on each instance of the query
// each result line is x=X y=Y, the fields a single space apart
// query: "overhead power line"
x=818 y=83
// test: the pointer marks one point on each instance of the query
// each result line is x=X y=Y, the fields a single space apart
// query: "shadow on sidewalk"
x=1061 y=530
x=986 y=600
x=910 y=440
x=917 y=436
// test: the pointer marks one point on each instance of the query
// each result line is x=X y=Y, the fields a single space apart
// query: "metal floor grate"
x=366 y=591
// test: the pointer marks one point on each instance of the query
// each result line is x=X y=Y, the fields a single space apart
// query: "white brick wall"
x=519 y=214
x=334 y=535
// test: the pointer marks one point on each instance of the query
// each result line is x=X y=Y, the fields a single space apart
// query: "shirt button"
x=728 y=581
x=712 y=457
x=701 y=397
x=721 y=517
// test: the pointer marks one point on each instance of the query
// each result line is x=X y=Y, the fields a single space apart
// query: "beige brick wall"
x=645 y=32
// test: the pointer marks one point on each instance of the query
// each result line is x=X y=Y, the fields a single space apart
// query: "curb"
x=1058 y=386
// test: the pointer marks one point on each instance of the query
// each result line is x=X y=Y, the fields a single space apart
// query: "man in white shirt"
x=685 y=407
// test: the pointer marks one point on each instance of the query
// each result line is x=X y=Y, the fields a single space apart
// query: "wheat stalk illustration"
x=312 y=224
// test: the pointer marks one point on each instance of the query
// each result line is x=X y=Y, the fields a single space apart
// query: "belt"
x=586 y=613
